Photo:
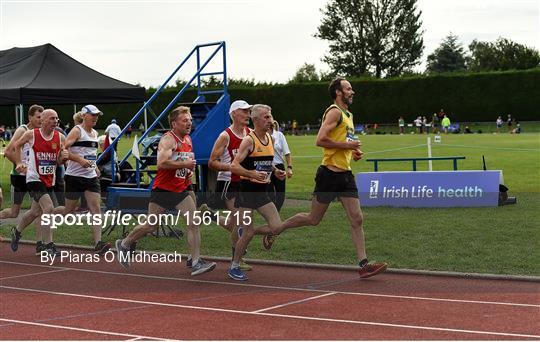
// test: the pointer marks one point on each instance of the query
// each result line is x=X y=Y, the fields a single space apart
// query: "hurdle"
x=414 y=161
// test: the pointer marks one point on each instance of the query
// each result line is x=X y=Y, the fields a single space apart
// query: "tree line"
x=383 y=38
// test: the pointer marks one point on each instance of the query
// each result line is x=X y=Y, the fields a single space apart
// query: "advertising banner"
x=429 y=188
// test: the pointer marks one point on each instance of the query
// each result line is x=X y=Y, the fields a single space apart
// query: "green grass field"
x=502 y=240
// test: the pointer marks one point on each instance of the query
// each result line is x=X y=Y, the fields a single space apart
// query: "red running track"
x=98 y=301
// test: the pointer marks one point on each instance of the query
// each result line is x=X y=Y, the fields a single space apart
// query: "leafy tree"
x=449 y=56
x=306 y=73
x=503 y=54
x=379 y=37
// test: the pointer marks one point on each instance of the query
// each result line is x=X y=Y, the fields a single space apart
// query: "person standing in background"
x=401 y=124
x=445 y=124
x=499 y=124
x=281 y=150
x=509 y=122
x=113 y=131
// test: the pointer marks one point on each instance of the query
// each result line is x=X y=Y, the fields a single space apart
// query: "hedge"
x=477 y=97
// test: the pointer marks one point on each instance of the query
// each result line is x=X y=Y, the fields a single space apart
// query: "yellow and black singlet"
x=260 y=158
x=344 y=131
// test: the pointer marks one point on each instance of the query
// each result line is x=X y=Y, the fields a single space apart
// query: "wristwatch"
x=289 y=167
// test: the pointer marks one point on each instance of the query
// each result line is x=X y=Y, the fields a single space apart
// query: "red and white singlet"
x=229 y=153
x=43 y=157
x=176 y=180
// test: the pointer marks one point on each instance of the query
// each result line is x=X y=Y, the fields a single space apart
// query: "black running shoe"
x=51 y=248
x=102 y=247
x=40 y=247
x=15 y=237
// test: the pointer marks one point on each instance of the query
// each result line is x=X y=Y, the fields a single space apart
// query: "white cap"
x=239 y=104
x=91 y=109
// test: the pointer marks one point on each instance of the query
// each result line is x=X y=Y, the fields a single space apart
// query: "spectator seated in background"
x=516 y=130
x=467 y=130
x=150 y=144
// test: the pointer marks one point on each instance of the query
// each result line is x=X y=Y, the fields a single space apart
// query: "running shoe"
x=15 y=237
x=51 y=249
x=268 y=240
x=122 y=254
x=202 y=266
x=369 y=270
x=40 y=247
x=102 y=247
x=237 y=274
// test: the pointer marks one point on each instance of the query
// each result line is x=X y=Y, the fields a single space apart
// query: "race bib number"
x=184 y=173
x=92 y=159
x=181 y=173
x=267 y=169
x=46 y=167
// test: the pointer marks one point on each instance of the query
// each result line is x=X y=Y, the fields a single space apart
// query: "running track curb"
x=486 y=276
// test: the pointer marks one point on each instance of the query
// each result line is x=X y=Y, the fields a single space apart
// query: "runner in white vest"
x=82 y=175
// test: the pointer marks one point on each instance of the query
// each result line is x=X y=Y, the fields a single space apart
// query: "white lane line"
x=332 y=320
x=294 y=302
x=285 y=288
x=81 y=329
x=33 y=274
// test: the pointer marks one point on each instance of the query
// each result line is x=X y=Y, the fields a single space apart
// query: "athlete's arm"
x=330 y=122
x=10 y=148
x=215 y=157
x=72 y=137
x=26 y=137
x=165 y=149
x=245 y=149
x=64 y=154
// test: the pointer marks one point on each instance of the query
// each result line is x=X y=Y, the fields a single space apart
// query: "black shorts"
x=38 y=189
x=76 y=186
x=18 y=188
x=330 y=185
x=225 y=191
x=168 y=199
x=252 y=195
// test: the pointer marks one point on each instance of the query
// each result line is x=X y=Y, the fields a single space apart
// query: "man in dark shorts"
x=334 y=178
x=223 y=153
x=18 y=180
x=172 y=189
x=253 y=163
x=45 y=153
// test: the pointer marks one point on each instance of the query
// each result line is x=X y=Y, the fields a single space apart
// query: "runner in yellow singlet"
x=334 y=178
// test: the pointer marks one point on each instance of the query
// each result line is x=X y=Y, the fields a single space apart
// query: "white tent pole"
x=74 y=108
x=21 y=116
x=430 y=162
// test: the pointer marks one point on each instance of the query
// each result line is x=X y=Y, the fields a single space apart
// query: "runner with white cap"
x=228 y=184
x=82 y=175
